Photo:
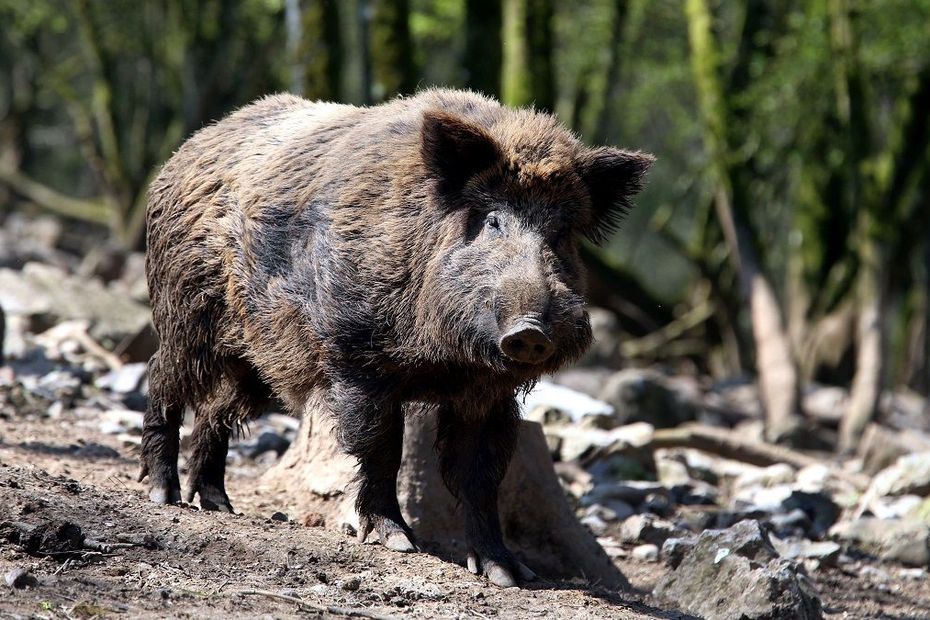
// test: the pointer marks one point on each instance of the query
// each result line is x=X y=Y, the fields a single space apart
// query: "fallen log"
x=727 y=444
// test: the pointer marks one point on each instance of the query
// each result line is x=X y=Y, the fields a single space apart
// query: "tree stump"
x=539 y=525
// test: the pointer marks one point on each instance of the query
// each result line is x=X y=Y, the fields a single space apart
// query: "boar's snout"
x=526 y=342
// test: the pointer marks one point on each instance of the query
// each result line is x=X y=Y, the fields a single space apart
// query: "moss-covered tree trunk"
x=320 y=50
x=529 y=78
x=775 y=365
x=391 y=49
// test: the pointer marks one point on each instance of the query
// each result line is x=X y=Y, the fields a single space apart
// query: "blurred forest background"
x=785 y=230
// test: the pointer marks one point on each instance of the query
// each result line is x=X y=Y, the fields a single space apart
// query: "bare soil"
x=179 y=562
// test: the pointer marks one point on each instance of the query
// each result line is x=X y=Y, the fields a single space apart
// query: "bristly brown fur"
x=373 y=256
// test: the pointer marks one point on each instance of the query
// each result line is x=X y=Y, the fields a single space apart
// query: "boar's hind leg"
x=161 y=433
x=474 y=452
x=237 y=398
x=373 y=432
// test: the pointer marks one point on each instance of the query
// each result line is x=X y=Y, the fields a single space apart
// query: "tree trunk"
x=866 y=391
x=775 y=364
x=605 y=113
x=528 y=72
x=539 y=526
x=320 y=53
x=539 y=18
x=484 y=50
x=391 y=53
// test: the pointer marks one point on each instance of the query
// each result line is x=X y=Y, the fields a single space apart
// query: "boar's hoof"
x=164 y=494
x=497 y=572
x=390 y=534
x=398 y=541
x=212 y=498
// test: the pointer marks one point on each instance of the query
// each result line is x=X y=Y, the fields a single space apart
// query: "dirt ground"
x=178 y=562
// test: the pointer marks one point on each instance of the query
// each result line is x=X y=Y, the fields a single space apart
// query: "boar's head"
x=514 y=196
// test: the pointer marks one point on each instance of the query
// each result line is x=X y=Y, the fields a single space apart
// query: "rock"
x=620 y=509
x=573 y=478
x=825 y=403
x=819 y=507
x=628 y=464
x=646 y=553
x=549 y=416
x=771 y=476
x=19 y=578
x=739 y=394
x=902 y=540
x=352 y=584
x=694 y=493
x=671 y=468
x=646 y=528
x=118 y=421
x=575 y=404
x=595 y=523
x=617 y=511
x=915 y=574
x=51 y=295
x=605 y=350
x=279 y=516
x=910 y=475
x=24 y=239
x=576 y=442
x=783 y=499
x=815 y=478
x=2 y=335
x=644 y=396
x=52 y=537
x=94 y=451
x=894 y=507
x=794 y=523
x=633 y=492
x=585 y=380
x=123 y=380
x=629 y=442
x=320 y=589
x=881 y=446
x=268 y=441
x=766 y=499
x=675 y=549
x=736 y=574
x=826 y=552
x=905 y=410
x=657 y=503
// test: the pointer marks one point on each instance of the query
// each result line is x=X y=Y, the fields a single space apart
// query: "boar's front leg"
x=372 y=430
x=474 y=452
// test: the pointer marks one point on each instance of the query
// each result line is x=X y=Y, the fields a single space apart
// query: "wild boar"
x=360 y=259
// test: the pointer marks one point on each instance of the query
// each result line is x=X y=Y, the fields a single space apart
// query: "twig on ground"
x=350 y=612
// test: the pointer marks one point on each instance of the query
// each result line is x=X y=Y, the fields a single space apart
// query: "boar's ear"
x=612 y=177
x=454 y=149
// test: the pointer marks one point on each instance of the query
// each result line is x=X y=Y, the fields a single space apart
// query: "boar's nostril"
x=526 y=342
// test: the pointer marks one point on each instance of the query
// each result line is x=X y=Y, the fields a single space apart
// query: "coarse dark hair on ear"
x=612 y=176
x=455 y=149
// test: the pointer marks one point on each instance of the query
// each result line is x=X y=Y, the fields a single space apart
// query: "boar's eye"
x=493 y=222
